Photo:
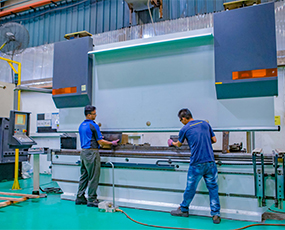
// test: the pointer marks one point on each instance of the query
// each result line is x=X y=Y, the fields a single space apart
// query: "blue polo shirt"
x=89 y=133
x=198 y=134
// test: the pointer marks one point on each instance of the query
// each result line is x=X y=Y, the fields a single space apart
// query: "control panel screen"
x=20 y=119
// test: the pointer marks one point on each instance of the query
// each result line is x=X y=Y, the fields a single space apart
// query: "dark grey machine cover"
x=72 y=68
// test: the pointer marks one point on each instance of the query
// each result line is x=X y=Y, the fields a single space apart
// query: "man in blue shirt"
x=91 y=139
x=200 y=137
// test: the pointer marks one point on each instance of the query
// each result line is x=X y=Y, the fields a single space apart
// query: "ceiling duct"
x=139 y=5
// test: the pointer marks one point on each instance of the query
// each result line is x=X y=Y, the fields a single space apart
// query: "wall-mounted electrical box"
x=245 y=52
x=72 y=73
x=7 y=92
x=47 y=122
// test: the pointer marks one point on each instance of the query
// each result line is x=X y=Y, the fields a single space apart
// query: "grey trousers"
x=90 y=173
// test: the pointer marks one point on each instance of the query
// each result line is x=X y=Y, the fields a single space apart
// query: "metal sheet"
x=133 y=86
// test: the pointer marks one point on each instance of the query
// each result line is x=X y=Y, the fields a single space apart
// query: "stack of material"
x=9 y=198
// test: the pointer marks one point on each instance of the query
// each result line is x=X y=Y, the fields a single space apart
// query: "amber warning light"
x=64 y=90
x=258 y=73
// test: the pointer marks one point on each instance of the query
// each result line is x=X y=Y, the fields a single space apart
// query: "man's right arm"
x=213 y=139
x=104 y=142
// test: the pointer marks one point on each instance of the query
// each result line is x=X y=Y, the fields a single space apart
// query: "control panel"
x=19 y=130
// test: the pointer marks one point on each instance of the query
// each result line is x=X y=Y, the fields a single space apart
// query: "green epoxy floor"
x=53 y=213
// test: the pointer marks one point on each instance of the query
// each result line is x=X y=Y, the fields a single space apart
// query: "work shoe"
x=80 y=200
x=178 y=212
x=216 y=219
x=93 y=203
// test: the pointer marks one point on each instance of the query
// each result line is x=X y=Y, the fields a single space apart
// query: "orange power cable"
x=157 y=226
x=150 y=225
x=252 y=225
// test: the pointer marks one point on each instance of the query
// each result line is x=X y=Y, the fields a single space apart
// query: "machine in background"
x=19 y=130
x=68 y=141
x=7 y=154
x=14 y=133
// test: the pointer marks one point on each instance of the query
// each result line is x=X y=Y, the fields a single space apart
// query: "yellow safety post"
x=2 y=46
x=16 y=185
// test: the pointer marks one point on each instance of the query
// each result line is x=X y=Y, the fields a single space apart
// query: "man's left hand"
x=169 y=142
x=115 y=142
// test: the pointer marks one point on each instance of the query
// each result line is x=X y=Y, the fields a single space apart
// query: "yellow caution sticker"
x=277 y=120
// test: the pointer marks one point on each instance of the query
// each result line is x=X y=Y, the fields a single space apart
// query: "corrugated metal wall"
x=147 y=30
x=50 y=23
x=37 y=62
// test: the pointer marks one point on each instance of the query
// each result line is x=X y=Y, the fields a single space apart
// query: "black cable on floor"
x=276 y=211
x=52 y=190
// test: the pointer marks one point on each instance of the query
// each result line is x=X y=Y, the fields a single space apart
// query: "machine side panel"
x=72 y=72
x=245 y=40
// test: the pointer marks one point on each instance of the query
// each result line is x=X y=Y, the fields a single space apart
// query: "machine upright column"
x=258 y=170
x=279 y=178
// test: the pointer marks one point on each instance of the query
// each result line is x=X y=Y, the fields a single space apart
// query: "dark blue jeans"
x=209 y=171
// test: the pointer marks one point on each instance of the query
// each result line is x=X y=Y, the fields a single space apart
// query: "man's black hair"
x=185 y=113
x=88 y=109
